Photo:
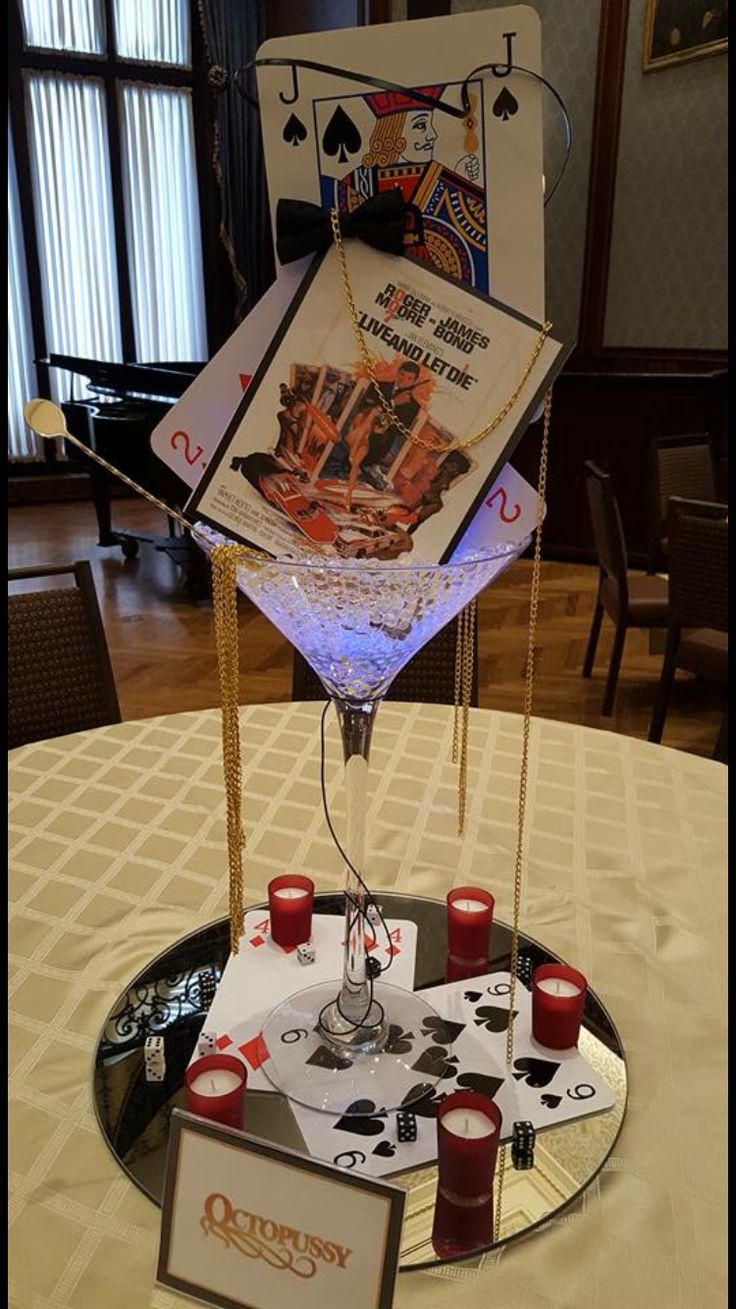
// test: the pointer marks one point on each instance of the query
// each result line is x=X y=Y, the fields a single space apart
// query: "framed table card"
x=249 y=1225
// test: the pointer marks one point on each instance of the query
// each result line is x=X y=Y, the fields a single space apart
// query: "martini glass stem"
x=354 y=1003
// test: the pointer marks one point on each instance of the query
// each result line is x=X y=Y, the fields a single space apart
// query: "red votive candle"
x=215 y=1088
x=457 y=970
x=468 y=1135
x=469 y=919
x=290 y=900
x=558 y=1001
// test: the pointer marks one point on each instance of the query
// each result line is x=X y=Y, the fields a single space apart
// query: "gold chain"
x=466 y=662
x=369 y=363
x=531 y=653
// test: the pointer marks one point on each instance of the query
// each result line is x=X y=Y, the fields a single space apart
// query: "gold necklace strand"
x=369 y=363
x=468 y=662
x=524 y=765
x=225 y=560
x=459 y=653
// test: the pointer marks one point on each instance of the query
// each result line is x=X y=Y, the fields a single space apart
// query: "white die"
x=373 y=913
x=156 y=1072
x=154 y=1047
x=306 y=953
x=206 y=1043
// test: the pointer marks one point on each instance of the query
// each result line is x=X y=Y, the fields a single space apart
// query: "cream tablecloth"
x=118 y=848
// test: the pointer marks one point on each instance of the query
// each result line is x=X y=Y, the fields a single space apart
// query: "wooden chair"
x=60 y=679
x=428 y=678
x=628 y=601
x=681 y=466
x=697 y=632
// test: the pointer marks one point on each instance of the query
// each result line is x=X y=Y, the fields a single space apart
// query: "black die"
x=372 y=967
x=524 y=970
x=406 y=1126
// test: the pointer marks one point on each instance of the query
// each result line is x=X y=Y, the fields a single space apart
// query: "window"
x=104 y=241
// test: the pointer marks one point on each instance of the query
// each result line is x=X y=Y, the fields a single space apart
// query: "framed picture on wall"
x=676 y=30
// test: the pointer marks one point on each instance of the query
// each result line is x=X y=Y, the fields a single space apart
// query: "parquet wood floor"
x=163 y=656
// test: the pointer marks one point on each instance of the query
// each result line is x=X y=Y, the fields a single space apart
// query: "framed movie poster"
x=678 y=30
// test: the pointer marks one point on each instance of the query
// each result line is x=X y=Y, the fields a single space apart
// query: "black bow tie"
x=303 y=228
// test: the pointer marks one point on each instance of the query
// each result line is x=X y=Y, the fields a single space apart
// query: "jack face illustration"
x=405 y=150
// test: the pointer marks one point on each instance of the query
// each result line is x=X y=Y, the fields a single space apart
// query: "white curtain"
x=162 y=224
x=155 y=32
x=64 y=25
x=74 y=220
x=22 y=384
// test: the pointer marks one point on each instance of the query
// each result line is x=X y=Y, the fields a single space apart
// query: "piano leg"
x=100 y=484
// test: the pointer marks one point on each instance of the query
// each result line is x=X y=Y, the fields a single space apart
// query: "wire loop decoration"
x=239 y=76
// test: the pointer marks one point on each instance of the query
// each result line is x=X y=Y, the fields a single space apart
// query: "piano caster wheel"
x=130 y=549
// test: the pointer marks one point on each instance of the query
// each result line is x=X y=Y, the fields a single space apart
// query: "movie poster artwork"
x=322 y=459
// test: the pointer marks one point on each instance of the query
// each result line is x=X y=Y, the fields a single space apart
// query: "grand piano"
x=126 y=402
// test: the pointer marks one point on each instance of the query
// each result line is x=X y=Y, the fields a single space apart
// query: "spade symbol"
x=399 y=1041
x=358 y=1119
x=551 y=1101
x=505 y=105
x=341 y=135
x=422 y=1101
x=442 y=1030
x=535 y=1072
x=492 y=1018
x=386 y=1148
x=473 y=996
x=325 y=1058
x=480 y=1082
x=294 y=131
x=435 y=1061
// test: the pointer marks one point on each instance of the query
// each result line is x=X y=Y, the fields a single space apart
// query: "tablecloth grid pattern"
x=118 y=848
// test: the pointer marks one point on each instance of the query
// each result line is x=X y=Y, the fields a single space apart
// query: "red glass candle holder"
x=468 y=1136
x=457 y=970
x=558 y=1001
x=469 y=921
x=461 y=1226
x=290 y=901
x=211 y=1091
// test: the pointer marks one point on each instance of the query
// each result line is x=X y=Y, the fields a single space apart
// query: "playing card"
x=464 y=1048
x=474 y=182
x=552 y=1086
x=189 y=433
x=263 y=974
x=507 y=513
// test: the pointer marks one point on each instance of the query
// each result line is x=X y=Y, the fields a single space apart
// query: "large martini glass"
x=342 y=1046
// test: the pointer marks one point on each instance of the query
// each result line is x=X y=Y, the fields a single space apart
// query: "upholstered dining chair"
x=628 y=601
x=428 y=678
x=60 y=678
x=697 y=632
x=681 y=466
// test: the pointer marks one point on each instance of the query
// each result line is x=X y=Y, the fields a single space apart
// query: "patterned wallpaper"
x=667 y=283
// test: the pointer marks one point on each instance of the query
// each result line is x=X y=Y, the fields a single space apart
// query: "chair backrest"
x=608 y=532
x=698 y=564
x=59 y=675
x=683 y=466
x=428 y=678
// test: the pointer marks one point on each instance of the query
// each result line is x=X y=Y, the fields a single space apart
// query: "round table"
x=118 y=848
